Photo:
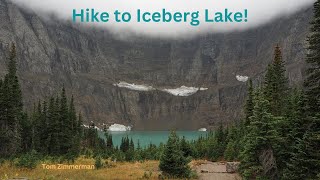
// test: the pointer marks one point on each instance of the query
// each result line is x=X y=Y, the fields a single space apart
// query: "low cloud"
x=259 y=13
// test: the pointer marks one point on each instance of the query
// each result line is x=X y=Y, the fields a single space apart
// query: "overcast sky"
x=259 y=13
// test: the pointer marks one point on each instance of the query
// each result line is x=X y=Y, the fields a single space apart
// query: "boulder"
x=232 y=167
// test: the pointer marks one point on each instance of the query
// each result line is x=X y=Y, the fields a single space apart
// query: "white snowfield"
x=202 y=129
x=86 y=126
x=181 y=91
x=134 y=86
x=242 y=78
x=184 y=91
x=119 y=127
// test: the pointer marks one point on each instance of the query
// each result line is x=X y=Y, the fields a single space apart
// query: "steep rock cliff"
x=88 y=61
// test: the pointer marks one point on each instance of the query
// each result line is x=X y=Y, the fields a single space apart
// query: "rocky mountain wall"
x=89 y=61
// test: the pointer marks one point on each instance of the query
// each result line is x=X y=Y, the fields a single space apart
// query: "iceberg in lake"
x=202 y=129
x=242 y=78
x=134 y=86
x=119 y=127
x=184 y=91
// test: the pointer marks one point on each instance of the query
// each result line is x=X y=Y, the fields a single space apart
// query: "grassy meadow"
x=112 y=170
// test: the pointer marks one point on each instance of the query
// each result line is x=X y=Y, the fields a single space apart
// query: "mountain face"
x=89 y=61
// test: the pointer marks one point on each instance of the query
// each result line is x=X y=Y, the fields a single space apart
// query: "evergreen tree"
x=53 y=127
x=11 y=109
x=257 y=158
x=72 y=116
x=232 y=149
x=289 y=128
x=44 y=128
x=217 y=143
x=312 y=85
x=249 y=103
x=212 y=147
x=185 y=147
x=109 y=142
x=36 y=128
x=73 y=127
x=80 y=125
x=129 y=154
x=172 y=162
x=305 y=162
x=276 y=83
x=26 y=133
x=65 y=135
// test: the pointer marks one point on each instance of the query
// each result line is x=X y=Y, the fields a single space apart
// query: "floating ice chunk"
x=119 y=127
x=242 y=78
x=202 y=129
x=134 y=86
x=184 y=91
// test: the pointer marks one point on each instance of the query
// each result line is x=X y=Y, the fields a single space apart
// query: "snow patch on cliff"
x=133 y=86
x=181 y=91
x=86 y=126
x=184 y=91
x=119 y=127
x=242 y=78
x=202 y=129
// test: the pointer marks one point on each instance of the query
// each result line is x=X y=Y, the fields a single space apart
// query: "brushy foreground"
x=112 y=170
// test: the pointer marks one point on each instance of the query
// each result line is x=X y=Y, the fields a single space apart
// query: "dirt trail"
x=215 y=171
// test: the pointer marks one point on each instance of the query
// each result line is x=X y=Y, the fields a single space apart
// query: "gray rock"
x=88 y=61
x=232 y=167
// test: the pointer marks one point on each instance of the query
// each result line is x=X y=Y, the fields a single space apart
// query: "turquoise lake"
x=154 y=137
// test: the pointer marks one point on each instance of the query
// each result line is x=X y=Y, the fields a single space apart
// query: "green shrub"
x=98 y=162
x=28 y=160
x=172 y=163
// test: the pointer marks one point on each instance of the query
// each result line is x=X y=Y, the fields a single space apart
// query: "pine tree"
x=109 y=142
x=72 y=116
x=185 y=147
x=11 y=108
x=2 y=112
x=172 y=162
x=53 y=127
x=65 y=135
x=80 y=125
x=276 y=83
x=131 y=145
x=289 y=129
x=74 y=136
x=249 y=103
x=36 y=128
x=217 y=143
x=129 y=154
x=212 y=147
x=232 y=149
x=312 y=85
x=257 y=158
x=44 y=128
x=26 y=133
x=305 y=162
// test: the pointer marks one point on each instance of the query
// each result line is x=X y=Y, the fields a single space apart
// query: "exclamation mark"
x=245 y=15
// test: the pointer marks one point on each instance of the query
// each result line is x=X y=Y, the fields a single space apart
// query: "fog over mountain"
x=259 y=12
